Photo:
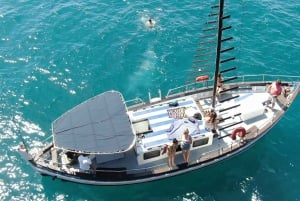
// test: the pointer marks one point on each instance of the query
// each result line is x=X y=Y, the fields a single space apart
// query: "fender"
x=201 y=78
x=240 y=131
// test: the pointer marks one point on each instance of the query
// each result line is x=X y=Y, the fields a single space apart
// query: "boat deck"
x=156 y=125
x=161 y=117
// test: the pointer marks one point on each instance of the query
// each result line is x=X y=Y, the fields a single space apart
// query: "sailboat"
x=106 y=140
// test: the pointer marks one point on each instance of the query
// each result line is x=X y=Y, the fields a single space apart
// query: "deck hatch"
x=142 y=126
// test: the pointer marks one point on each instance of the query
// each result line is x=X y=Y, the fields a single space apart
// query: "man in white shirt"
x=85 y=163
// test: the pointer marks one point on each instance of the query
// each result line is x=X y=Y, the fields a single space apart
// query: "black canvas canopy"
x=98 y=125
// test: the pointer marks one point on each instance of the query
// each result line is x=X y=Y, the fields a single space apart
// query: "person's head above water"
x=150 y=23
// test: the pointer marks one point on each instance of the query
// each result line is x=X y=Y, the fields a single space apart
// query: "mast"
x=217 y=64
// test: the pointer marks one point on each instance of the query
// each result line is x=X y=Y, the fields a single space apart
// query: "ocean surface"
x=56 y=54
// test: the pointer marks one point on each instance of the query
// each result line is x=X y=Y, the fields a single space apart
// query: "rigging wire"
x=241 y=32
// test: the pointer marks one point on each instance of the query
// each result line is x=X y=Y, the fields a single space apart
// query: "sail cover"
x=98 y=125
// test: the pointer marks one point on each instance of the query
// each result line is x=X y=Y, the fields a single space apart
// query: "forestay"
x=98 y=125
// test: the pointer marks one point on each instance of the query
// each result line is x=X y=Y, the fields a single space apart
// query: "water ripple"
x=56 y=54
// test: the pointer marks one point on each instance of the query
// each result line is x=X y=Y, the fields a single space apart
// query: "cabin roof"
x=98 y=125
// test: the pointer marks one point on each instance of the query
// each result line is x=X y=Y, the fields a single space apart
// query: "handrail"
x=61 y=165
x=133 y=170
x=251 y=77
x=206 y=157
x=192 y=86
x=45 y=140
x=136 y=100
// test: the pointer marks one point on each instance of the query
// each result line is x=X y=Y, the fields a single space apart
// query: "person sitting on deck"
x=85 y=163
x=71 y=157
x=274 y=90
x=211 y=120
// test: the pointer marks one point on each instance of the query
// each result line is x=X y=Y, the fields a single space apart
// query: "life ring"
x=240 y=131
x=201 y=78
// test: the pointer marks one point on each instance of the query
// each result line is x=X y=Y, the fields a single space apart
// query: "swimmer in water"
x=150 y=22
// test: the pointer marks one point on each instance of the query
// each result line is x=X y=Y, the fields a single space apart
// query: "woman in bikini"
x=171 y=151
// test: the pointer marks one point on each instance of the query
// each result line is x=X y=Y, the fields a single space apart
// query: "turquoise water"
x=56 y=54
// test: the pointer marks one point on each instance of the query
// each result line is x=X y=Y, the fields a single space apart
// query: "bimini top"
x=98 y=125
